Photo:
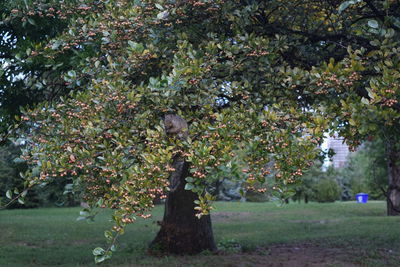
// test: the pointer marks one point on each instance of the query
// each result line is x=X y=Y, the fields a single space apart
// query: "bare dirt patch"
x=303 y=255
x=299 y=255
x=229 y=216
x=316 y=221
x=26 y=244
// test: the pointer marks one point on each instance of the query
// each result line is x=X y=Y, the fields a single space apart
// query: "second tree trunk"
x=393 y=192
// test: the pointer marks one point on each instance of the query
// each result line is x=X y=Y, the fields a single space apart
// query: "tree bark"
x=181 y=231
x=393 y=192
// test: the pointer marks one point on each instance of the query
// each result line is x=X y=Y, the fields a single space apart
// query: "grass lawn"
x=249 y=234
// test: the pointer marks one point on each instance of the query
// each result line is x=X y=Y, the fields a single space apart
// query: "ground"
x=295 y=255
x=248 y=234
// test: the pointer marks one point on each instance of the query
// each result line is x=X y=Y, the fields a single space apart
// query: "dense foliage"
x=265 y=78
x=11 y=166
x=327 y=190
x=364 y=172
x=152 y=59
x=27 y=79
x=321 y=184
x=367 y=171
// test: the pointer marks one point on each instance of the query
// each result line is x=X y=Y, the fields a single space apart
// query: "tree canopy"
x=263 y=78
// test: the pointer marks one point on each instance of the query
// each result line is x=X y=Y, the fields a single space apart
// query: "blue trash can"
x=362 y=198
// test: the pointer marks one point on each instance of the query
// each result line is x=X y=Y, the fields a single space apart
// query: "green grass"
x=361 y=234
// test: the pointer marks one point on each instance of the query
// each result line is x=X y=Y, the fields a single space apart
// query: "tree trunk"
x=393 y=192
x=181 y=231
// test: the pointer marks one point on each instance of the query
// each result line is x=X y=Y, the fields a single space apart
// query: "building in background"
x=340 y=149
x=340 y=158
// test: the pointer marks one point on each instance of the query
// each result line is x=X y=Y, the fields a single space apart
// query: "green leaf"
x=100 y=202
x=390 y=33
x=35 y=171
x=163 y=15
x=373 y=24
x=71 y=74
x=101 y=258
x=137 y=47
x=344 y=5
x=9 y=194
x=365 y=101
x=98 y=259
x=24 y=193
x=241 y=192
x=31 y=21
x=375 y=42
x=189 y=179
x=98 y=251
x=189 y=186
x=56 y=45
x=388 y=63
x=21 y=201
x=109 y=59
x=83 y=213
x=108 y=235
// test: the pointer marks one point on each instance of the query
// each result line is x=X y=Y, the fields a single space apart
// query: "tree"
x=361 y=98
x=367 y=170
x=27 y=78
x=10 y=169
x=239 y=72
x=356 y=90
x=192 y=59
x=306 y=189
x=327 y=190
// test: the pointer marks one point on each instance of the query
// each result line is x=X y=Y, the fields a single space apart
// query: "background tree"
x=28 y=77
x=11 y=166
x=363 y=101
x=367 y=170
x=320 y=184
x=327 y=190
x=10 y=179
x=358 y=92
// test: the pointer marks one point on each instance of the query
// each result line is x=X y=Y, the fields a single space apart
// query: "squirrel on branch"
x=176 y=125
